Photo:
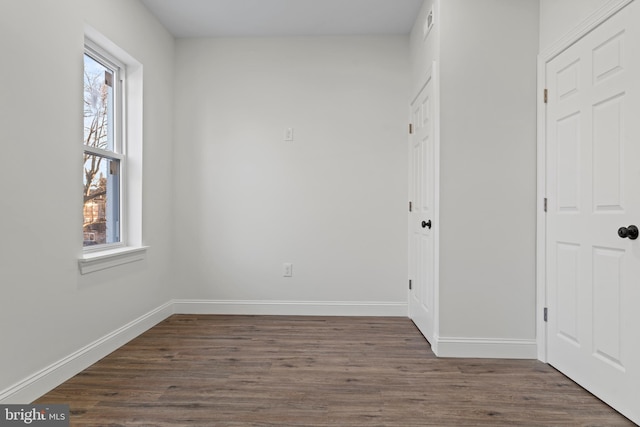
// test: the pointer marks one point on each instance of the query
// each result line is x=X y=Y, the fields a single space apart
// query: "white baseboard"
x=485 y=348
x=292 y=308
x=43 y=381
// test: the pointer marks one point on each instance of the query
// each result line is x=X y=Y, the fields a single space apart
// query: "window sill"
x=96 y=261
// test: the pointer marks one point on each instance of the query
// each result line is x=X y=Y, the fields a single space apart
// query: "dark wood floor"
x=309 y=371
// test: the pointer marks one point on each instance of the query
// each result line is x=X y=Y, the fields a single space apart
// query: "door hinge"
x=546 y=314
x=410 y=285
x=410 y=128
x=546 y=96
x=545 y=204
x=410 y=206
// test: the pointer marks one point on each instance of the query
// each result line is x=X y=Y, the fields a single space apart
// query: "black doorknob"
x=427 y=224
x=631 y=232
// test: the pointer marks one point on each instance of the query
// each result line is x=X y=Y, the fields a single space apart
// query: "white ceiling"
x=248 y=18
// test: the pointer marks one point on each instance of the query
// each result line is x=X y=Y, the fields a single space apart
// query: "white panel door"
x=593 y=190
x=421 y=195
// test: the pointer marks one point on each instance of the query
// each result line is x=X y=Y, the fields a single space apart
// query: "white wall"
x=47 y=309
x=332 y=202
x=488 y=172
x=558 y=17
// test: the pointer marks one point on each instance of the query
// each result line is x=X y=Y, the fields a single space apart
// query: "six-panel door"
x=593 y=190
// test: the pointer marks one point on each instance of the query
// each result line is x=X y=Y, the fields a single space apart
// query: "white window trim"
x=130 y=248
x=101 y=260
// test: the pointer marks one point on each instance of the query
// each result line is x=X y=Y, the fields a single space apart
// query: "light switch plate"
x=288 y=134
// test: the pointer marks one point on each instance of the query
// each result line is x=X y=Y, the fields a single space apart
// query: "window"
x=112 y=152
x=104 y=157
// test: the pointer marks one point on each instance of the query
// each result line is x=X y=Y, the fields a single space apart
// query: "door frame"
x=546 y=56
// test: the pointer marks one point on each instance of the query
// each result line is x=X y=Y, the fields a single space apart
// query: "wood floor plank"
x=198 y=370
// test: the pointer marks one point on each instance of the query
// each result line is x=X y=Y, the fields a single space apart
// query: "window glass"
x=102 y=160
x=101 y=200
x=98 y=105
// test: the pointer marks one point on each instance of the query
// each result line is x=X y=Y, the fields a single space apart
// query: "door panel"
x=607 y=154
x=593 y=189
x=568 y=158
x=568 y=273
x=607 y=288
